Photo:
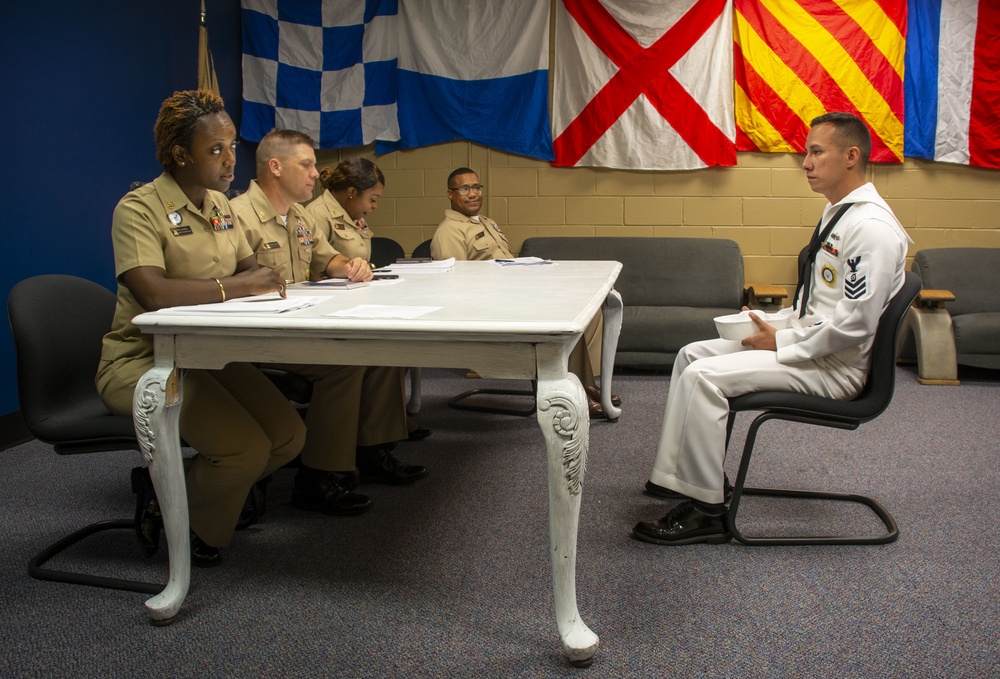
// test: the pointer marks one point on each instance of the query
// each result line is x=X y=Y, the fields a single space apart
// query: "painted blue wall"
x=82 y=85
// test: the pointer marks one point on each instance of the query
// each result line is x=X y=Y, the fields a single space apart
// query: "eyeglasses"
x=464 y=189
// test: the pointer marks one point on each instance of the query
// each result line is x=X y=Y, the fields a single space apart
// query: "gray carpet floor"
x=451 y=578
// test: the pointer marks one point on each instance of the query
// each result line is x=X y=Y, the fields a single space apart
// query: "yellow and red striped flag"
x=798 y=59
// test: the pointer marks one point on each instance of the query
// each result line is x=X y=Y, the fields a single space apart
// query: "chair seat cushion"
x=977 y=333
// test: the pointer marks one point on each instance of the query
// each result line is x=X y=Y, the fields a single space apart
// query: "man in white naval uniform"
x=825 y=350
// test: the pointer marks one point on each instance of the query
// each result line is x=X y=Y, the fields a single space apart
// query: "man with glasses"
x=466 y=235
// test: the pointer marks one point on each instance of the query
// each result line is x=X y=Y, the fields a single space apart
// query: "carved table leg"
x=156 y=407
x=612 y=310
x=565 y=422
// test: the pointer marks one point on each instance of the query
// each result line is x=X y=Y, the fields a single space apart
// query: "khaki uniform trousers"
x=351 y=406
x=243 y=428
x=692 y=448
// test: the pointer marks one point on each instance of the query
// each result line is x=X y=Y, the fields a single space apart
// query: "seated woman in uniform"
x=176 y=243
x=351 y=191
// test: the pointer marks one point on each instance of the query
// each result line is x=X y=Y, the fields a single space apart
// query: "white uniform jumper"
x=859 y=267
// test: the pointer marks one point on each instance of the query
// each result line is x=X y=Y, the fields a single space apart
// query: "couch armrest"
x=763 y=296
x=933 y=298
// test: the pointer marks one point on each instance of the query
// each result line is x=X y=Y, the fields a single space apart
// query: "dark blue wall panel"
x=82 y=84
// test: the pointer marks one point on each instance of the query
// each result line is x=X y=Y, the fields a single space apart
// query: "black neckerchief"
x=808 y=257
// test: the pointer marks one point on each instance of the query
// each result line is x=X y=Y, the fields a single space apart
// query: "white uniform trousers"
x=692 y=447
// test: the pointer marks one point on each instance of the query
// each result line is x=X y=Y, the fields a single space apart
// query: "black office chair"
x=57 y=323
x=385 y=251
x=458 y=402
x=869 y=404
x=422 y=251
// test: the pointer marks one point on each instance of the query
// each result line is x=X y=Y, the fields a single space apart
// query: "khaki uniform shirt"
x=340 y=231
x=294 y=249
x=155 y=226
x=465 y=238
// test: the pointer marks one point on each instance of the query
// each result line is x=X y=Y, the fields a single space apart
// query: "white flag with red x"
x=644 y=85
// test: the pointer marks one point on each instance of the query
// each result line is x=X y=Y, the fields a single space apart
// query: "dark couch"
x=956 y=318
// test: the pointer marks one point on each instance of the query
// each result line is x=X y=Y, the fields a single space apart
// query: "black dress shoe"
x=594 y=392
x=685 y=524
x=328 y=492
x=255 y=505
x=202 y=555
x=376 y=464
x=148 y=520
x=656 y=490
x=418 y=434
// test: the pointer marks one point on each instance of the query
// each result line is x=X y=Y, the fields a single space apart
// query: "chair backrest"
x=423 y=250
x=877 y=392
x=58 y=322
x=385 y=251
x=972 y=274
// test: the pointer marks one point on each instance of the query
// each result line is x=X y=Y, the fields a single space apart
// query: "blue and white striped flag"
x=475 y=70
x=324 y=68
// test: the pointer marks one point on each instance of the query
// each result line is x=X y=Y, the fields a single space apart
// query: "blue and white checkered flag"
x=328 y=69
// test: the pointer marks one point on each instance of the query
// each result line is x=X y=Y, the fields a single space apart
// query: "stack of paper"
x=406 y=268
x=522 y=261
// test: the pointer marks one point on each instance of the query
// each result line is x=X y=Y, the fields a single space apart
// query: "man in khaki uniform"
x=467 y=235
x=356 y=413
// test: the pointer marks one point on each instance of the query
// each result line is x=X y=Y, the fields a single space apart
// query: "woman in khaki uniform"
x=176 y=243
x=352 y=190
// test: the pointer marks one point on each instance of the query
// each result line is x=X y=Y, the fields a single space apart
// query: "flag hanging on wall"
x=643 y=85
x=953 y=81
x=475 y=70
x=324 y=68
x=207 y=80
x=798 y=60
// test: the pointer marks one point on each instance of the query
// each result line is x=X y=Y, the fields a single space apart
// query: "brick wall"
x=764 y=203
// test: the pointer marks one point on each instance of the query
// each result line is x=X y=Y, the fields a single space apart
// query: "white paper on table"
x=270 y=303
x=382 y=311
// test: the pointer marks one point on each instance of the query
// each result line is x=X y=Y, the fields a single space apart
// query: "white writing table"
x=513 y=322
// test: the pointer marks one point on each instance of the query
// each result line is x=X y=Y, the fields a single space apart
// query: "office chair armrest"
x=763 y=296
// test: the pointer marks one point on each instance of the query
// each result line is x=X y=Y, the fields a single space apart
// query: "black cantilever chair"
x=58 y=322
x=869 y=404
x=458 y=402
x=385 y=251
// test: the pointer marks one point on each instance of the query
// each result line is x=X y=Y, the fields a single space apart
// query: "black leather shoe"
x=202 y=555
x=148 y=521
x=418 y=434
x=594 y=392
x=656 y=490
x=255 y=505
x=685 y=524
x=328 y=492
x=376 y=464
